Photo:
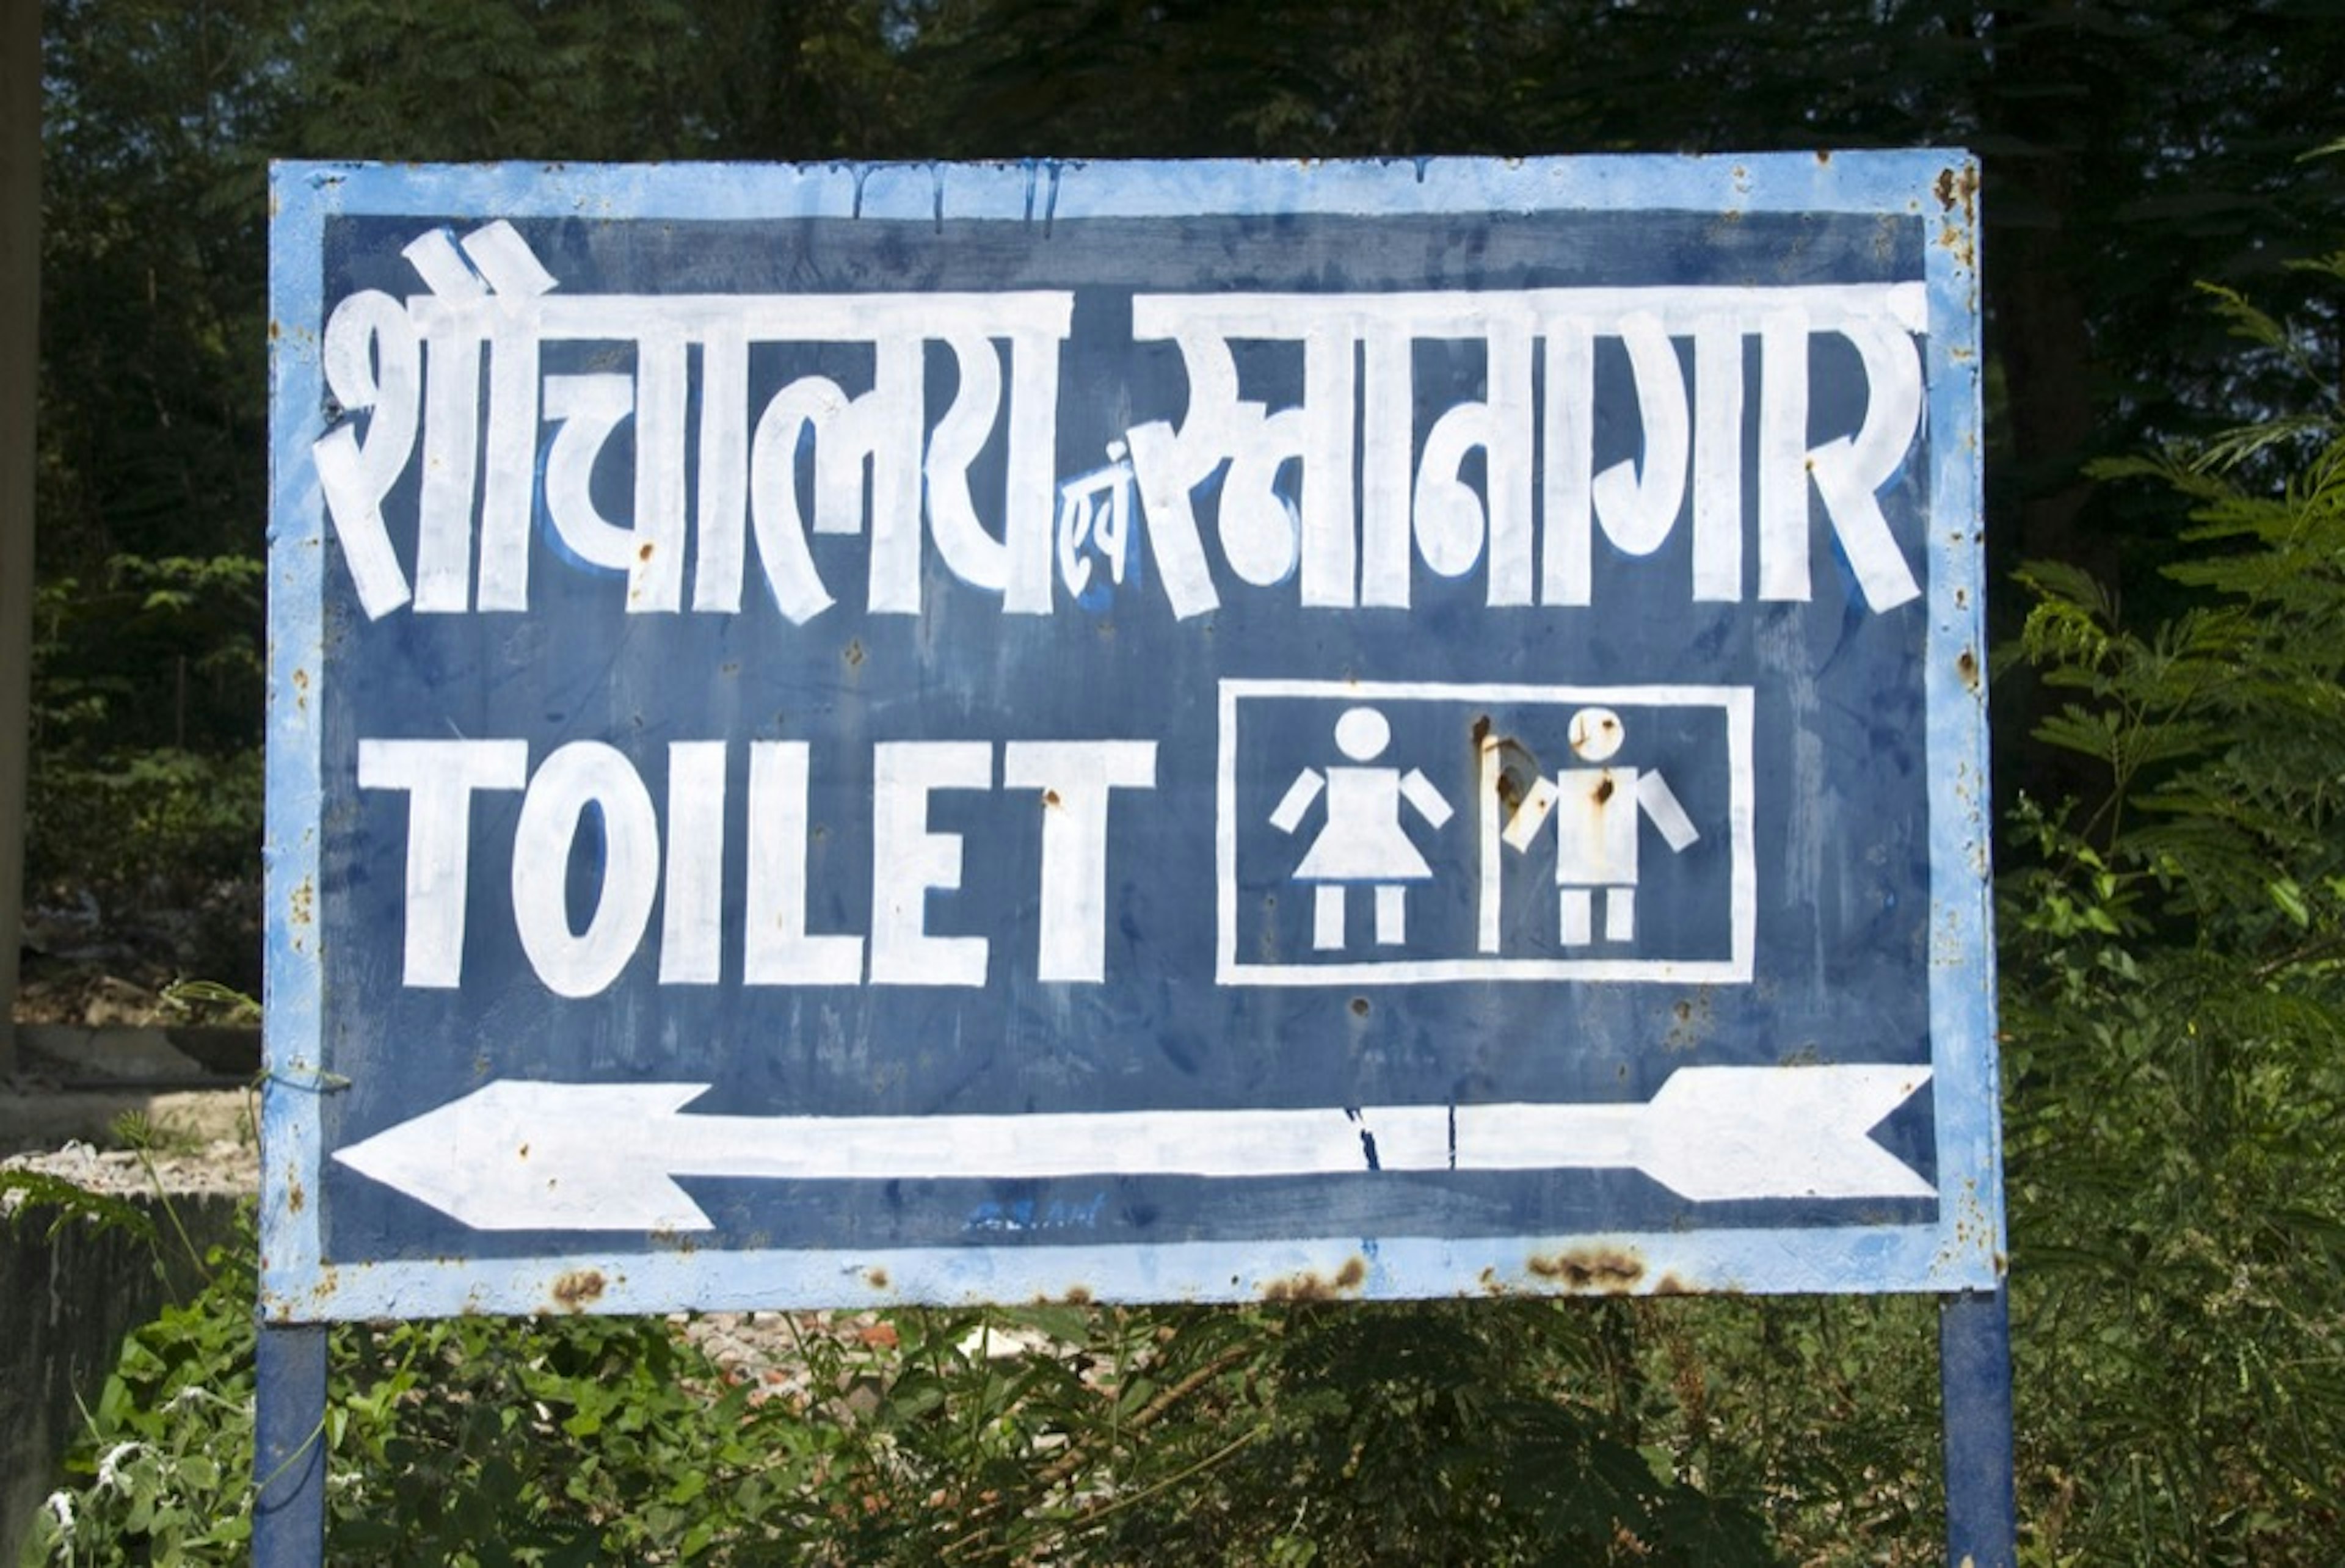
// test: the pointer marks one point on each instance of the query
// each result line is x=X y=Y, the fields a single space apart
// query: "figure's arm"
x=1531 y=814
x=1299 y=796
x=1418 y=791
x=1660 y=803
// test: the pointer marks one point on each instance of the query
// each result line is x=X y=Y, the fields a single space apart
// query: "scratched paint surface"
x=1132 y=731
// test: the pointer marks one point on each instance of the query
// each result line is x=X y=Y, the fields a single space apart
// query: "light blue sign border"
x=1961 y=1250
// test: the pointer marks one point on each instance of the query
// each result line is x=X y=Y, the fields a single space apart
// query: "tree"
x=2176 y=976
x=20 y=303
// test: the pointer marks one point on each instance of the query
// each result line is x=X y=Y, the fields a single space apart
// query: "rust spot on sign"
x=1312 y=1287
x=1600 y=1268
x=1603 y=789
x=645 y=553
x=1958 y=194
x=876 y=1277
x=1966 y=666
x=1692 y=1017
x=1958 y=188
x=1359 y=1007
x=1516 y=767
x=1051 y=797
x=854 y=655
x=578 y=1289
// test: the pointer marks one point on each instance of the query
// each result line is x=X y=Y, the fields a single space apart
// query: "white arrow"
x=519 y=1155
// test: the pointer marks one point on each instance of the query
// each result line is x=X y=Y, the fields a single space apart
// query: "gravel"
x=226 y=1167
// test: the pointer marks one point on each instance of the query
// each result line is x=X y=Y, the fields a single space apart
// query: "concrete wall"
x=65 y=1303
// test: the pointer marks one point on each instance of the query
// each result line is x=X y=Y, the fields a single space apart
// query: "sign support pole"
x=1974 y=1378
x=289 y=1457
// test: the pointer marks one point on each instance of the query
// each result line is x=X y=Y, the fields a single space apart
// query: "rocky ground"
x=124 y=1105
x=120 y=1109
x=117 y=1047
x=226 y=1166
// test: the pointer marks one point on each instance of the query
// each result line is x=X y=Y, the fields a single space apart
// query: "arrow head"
x=520 y=1156
x=1717 y=1133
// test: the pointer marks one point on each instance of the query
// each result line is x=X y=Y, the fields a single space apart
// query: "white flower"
x=61 y=1504
x=109 y=1469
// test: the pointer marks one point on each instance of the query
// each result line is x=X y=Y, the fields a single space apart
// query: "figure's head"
x=1362 y=734
x=1596 y=735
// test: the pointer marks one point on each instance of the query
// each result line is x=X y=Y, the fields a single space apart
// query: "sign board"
x=1125 y=732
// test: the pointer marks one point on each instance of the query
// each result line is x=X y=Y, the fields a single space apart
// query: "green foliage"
x=1332 y=1435
x=2175 y=962
x=24 y=1193
x=165 y=1477
x=469 y=1443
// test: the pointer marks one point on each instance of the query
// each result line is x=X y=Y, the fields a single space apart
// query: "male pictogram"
x=1364 y=838
x=1599 y=814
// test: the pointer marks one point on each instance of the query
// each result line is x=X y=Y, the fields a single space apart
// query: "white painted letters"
x=439 y=777
x=778 y=950
x=1335 y=494
x=677 y=859
x=580 y=775
x=910 y=860
x=1074 y=778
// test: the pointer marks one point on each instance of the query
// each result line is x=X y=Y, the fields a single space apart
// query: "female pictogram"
x=1364 y=839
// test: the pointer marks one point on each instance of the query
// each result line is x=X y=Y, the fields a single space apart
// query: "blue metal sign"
x=1142 y=732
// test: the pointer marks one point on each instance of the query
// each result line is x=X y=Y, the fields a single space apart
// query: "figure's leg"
x=1575 y=911
x=1327 y=916
x=1620 y=914
x=1392 y=914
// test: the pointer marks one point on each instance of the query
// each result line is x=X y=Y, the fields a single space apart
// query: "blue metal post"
x=288 y=1516
x=1975 y=1375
